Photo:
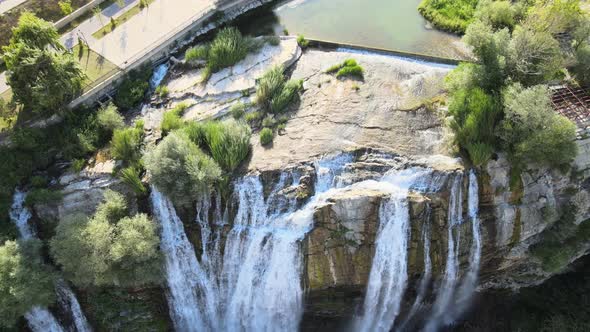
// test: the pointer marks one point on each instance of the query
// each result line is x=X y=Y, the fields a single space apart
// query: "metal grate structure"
x=573 y=103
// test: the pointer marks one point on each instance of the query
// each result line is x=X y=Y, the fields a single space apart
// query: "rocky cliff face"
x=533 y=226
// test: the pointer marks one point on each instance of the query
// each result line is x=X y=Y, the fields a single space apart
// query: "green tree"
x=534 y=56
x=498 y=14
x=109 y=249
x=126 y=144
x=531 y=130
x=180 y=169
x=43 y=76
x=24 y=280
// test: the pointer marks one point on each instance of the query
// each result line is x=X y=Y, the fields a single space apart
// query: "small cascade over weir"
x=41 y=319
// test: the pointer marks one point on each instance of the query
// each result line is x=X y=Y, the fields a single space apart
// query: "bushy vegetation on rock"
x=24 y=280
x=274 y=93
x=348 y=68
x=126 y=144
x=172 y=119
x=132 y=90
x=110 y=248
x=180 y=169
x=228 y=142
x=500 y=102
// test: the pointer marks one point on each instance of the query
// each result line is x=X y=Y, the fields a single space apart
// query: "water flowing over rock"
x=183 y=273
x=389 y=275
x=41 y=319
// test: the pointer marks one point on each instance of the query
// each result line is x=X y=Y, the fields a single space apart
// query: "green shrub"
x=237 y=110
x=228 y=142
x=475 y=116
x=109 y=249
x=228 y=47
x=273 y=40
x=480 y=153
x=350 y=71
x=268 y=122
x=133 y=89
x=532 y=131
x=270 y=85
x=302 y=42
x=172 y=119
x=195 y=131
x=162 y=91
x=347 y=68
x=266 y=136
x=288 y=94
x=131 y=176
x=78 y=165
x=581 y=69
x=450 y=15
x=498 y=14
x=43 y=196
x=109 y=120
x=126 y=144
x=39 y=181
x=253 y=117
x=200 y=52
x=180 y=169
x=24 y=281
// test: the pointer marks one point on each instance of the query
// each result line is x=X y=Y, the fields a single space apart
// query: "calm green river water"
x=389 y=24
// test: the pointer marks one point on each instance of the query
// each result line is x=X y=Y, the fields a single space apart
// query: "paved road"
x=6 y=5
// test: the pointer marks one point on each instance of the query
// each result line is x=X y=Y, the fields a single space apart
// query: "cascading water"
x=389 y=275
x=426 y=276
x=449 y=283
x=470 y=280
x=41 y=319
x=256 y=286
x=67 y=300
x=158 y=75
x=250 y=279
x=184 y=275
x=452 y=302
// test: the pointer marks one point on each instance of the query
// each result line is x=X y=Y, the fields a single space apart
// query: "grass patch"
x=172 y=119
x=273 y=93
x=96 y=67
x=266 y=136
x=449 y=15
x=114 y=23
x=348 y=68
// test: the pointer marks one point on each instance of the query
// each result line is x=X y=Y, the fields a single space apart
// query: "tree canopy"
x=110 y=248
x=24 y=280
x=44 y=77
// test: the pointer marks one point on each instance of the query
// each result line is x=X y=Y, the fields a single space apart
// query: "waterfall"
x=389 y=275
x=20 y=215
x=38 y=318
x=447 y=288
x=158 y=75
x=67 y=299
x=189 y=291
x=41 y=320
x=469 y=284
x=426 y=276
x=452 y=302
x=256 y=284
